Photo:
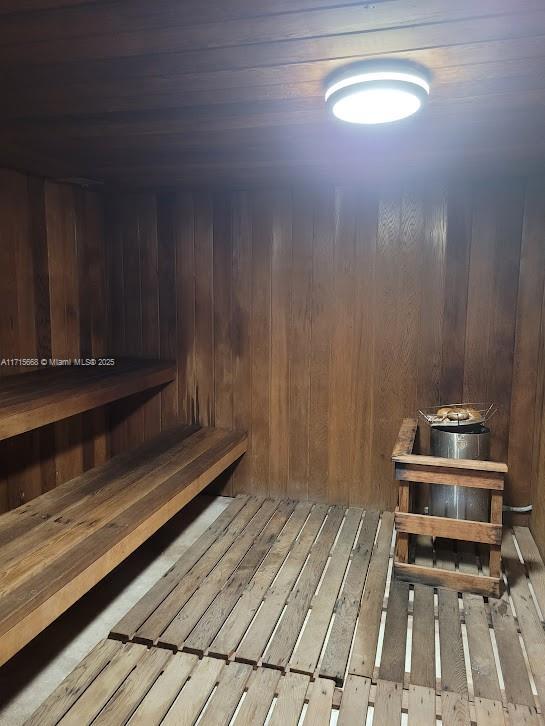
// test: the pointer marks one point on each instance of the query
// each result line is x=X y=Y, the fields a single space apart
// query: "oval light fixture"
x=377 y=92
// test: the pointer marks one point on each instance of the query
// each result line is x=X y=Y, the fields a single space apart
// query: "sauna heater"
x=459 y=431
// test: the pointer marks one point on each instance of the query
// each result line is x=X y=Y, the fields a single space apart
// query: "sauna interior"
x=272 y=362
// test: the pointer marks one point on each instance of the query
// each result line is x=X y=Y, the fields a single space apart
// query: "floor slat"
x=423 y=638
x=224 y=702
x=129 y=623
x=355 y=700
x=164 y=691
x=284 y=639
x=305 y=658
x=362 y=660
x=346 y=610
x=152 y=628
x=236 y=624
x=258 y=634
x=421 y=708
x=527 y=616
x=314 y=578
x=388 y=703
x=291 y=698
x=213 y=618
x=259 y=697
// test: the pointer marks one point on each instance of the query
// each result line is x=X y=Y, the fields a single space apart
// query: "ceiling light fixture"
x=377 y=92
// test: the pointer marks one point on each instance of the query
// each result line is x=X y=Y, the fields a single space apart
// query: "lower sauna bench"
x=56 y=547
x=284 y=613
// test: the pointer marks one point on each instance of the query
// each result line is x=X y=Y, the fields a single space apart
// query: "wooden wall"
x=317 y=318
x=52 y=304
x=141 y=279
x=537 y=521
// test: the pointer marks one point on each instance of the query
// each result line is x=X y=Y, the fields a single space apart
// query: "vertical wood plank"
x=280 y=211
x=299 y=345
x=496 y=516
x=93 y=311
x=506 y=290
x=223 y=277
x=166 y=234
x=64 y=301
x=241 y=226
x=8 y=289
x=492 y=294
x=537 y=520
x=185 y=286
x=149 y=282
x=341 y=366
x=321 y=330
x=223 y=353
x=204 y=309
x=458 y=243
x=364 y=334
x=130 y=411
x=525 y=417
x=431 y=280
x=402 y=538
x=42 y=316
x=259 y=442
x=389 y=356
x=116 y=322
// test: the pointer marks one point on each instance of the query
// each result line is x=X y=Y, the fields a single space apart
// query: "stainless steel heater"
x=458 y=431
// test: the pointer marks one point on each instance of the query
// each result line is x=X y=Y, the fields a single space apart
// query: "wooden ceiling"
x=231 y=91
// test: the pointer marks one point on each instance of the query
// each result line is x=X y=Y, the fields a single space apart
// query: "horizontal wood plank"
x=73 y=68
x=450 y=528
x=31 y=400
x=473 y=464
x=451 y=579
x=442 y=475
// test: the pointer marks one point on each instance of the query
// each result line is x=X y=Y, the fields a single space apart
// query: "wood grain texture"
x=116 y=675
x=53 y=303
x=234 y=94
x=450 y=528
x=335 y=316
x=449 y=475
x=41 y=397
x=438 y=577
x=299 y=315
x=528 y=619
x=453 y=673
x=405 y=440
x=421 y=705
x=95 y=521
x=524 y=412
x=355 y=700
x=537 y=522
x=423 y=638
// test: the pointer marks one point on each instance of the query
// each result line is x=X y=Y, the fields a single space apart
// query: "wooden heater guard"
x=416 y=468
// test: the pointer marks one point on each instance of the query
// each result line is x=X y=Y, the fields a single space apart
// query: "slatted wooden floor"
x=284 y=613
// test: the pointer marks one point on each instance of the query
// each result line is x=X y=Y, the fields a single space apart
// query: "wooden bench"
x=56 y=547
x=40 y=397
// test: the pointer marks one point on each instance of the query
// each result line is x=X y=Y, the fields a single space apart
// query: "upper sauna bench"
x=40 y=397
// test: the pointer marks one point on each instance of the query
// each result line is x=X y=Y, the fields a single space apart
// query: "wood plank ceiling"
x=132 y=91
